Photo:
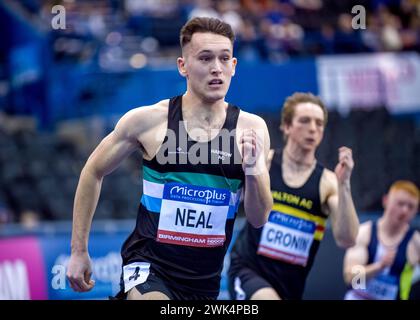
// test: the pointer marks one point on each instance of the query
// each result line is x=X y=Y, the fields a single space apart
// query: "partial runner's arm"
x=255 y=146
x=340 y=206
x=107 y=156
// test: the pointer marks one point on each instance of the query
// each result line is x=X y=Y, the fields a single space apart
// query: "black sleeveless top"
x=283 y=250
x=191 y=193
x=401 y=256
x=397 y=268
x=388 y=283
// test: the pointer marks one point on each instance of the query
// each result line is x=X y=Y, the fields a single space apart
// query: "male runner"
x=381 y=264
x=273 y=261
x=199 y=153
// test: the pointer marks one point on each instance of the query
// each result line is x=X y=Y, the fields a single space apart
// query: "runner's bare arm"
x=108 y=155
x=416 y=240
x=339 y=201
x=255 y=147
x=358 y=254
x=112 y=150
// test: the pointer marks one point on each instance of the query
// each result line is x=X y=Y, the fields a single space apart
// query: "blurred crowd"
x=131 y=33
x=39 y=172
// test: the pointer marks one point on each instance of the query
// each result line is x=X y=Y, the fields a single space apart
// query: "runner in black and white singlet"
x=273 y=262
x=187 y=211
x=381 y=265
x=200 y=155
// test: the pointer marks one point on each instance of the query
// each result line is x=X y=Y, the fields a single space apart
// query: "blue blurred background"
x=62 y=91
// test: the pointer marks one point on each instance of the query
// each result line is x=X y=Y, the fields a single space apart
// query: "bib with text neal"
x=193 y=215
x=287 y=238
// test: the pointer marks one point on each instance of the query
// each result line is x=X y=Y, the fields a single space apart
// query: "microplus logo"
x=206 y=195
x=292 y=222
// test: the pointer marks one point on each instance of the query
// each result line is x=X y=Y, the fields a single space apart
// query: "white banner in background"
x=370 y=81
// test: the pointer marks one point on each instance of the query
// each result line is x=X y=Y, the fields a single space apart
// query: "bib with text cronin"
x=193 y=215
x=287 y=238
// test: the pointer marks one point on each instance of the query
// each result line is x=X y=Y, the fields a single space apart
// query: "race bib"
x=382 y=287
x=193 y=215
x=287 y=238
x=135 y=273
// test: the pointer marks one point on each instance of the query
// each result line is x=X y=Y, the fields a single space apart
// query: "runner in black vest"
x=382 y=263
x=273 y=262
x=199 y=154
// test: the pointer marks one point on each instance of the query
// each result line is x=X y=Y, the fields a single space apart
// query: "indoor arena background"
x=66 y=80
